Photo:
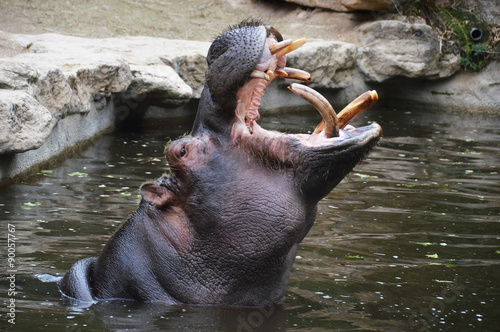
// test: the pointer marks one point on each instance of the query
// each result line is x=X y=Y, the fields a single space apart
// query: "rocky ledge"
x=57 y=91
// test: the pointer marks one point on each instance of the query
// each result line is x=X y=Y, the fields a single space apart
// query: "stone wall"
x=58 y=91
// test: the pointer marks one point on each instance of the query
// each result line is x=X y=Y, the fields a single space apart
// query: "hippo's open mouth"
x=334 y=128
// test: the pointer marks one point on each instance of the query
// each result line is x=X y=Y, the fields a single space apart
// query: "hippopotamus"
x=224 y=225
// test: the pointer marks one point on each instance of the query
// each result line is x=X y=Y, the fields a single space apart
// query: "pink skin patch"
x=249 y=96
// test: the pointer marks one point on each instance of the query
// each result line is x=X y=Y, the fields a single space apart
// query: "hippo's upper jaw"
x=224 y=227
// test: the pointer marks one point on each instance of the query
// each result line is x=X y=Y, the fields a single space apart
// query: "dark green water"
x=410 y=240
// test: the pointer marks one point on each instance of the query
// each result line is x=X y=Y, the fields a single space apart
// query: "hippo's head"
x=241 y=198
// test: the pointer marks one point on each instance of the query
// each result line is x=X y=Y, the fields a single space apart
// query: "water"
x=409 y=240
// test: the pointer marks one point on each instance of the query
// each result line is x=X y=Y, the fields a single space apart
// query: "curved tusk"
x=280 y=72
x=293 y=46
x=275 y=48
x=298 y=74
x=331 y=126
x=356 y=107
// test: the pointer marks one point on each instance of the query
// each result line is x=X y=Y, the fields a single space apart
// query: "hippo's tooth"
x=297 y=74
x=260 y=74
x=331 y=126
x=351 y=111
x=279 y=46
x=280 y=72
x=356 y=107
x=270 y=73
x=292 y=47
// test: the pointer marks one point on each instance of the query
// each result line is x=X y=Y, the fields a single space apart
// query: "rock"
x=489 y=10
x=348 y=5
x=24 y=123
x=64 y=92
x=16 y=75
x=331 y=64
x=74 y=54
x=465 y=91
x=191 y=68
x=158 y=86
x=53 y=90
x=393 y=48
x=67 y=133
x=92 y=82
x=67 y=87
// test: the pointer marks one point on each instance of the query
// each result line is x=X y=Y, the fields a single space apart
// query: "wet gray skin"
x=224 y=226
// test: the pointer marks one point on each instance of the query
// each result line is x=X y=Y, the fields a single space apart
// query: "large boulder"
x=466 y=90
x=158 y=86
x=489 y=10
x=331 y=64
x=24 y=123
x=191 y=68
x=348 y=5
x=61 y=86
x=394 y=48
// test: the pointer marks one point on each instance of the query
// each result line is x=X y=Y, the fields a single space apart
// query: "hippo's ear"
x=156 y=195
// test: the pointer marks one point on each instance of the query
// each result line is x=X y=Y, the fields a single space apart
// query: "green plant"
x=460 y=21
x=453 y=22
x=474 y=57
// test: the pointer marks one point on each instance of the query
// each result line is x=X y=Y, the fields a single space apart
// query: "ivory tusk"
x=293 y=46
x=356 y=107
x=298 y=74
x=281 y=73
x=331 y=126
x=279 y=46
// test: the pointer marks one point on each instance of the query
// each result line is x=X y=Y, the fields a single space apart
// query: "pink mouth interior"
x=249 y=97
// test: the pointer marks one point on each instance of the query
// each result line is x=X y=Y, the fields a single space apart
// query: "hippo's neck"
x=210 y=117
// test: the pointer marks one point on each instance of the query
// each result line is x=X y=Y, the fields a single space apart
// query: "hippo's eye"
x=182 y=153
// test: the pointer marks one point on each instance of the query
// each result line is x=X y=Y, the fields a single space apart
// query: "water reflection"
x=411 y=239
x=127 y=315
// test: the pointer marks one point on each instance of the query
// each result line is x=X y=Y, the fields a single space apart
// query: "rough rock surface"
x=191 y=68
x=488 y=9
x=330 y=63
x=393 y=48
x=158 y=86
x=54 y=86
x=347 y=5
x=465 y=91
x=24 y=123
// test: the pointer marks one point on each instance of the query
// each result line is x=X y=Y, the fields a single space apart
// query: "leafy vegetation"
x=459 y=27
